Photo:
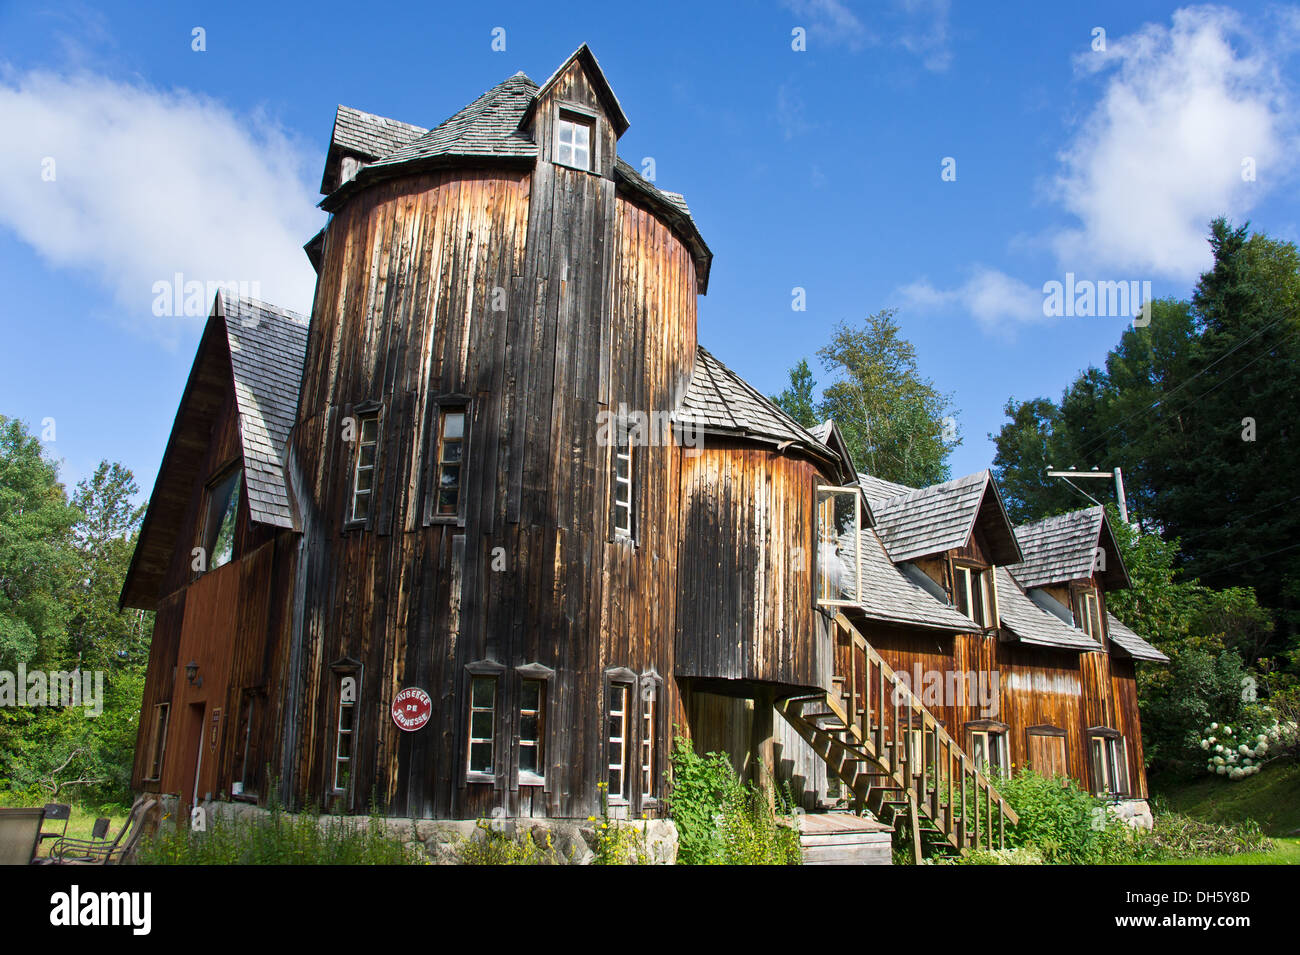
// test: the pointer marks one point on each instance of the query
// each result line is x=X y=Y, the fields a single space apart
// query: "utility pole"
x=1119 y=485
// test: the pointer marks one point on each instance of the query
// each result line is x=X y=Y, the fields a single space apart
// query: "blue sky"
x=818 y=169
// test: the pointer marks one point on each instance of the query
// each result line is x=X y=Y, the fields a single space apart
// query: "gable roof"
x=885 y=593
x=254 y=351
x=605 y=92
x=719 y=401
x=828 y=433
x=1032 y=624
x=943 y=517
x=1061 y=548
x=1130 y=642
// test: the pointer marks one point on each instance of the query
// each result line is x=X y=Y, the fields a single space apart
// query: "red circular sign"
x=412 y=709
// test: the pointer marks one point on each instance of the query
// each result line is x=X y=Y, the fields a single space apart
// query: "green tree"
x=36 y=524
x=897 y=425
x=797 y=400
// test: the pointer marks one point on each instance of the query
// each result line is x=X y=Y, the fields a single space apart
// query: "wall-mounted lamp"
x=191 y=671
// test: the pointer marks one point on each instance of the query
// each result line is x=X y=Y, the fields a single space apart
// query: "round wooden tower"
x=503 y=307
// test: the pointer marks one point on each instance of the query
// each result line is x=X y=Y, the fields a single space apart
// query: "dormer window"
x=1087 y=614
x=973 y=593
x=573 y=141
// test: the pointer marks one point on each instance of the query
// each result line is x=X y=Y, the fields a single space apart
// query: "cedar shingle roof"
x=878 y=489
x=489 y=126
x=941 y=517
x=369 y=135
x=1031 y=623
x=1063 y=548
x=267 y=347
x=1130 y=642
x=717 y=399
x=889 y=595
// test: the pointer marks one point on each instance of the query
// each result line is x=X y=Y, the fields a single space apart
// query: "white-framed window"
x=573 y=141
x=621 y=459
x=481 y=756
x=450 y=458
x=839 y=545
x=973 y=593
x=1109 y=765
x=1088 y=613
x=363 y=474
x=343 y=747
x=616 y=740
x=532 y=732
x=648 y=767
x=988 y=749
x=158 y=740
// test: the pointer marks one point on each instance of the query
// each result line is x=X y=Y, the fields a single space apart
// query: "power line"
x=1221 y=569
x=1180 y=387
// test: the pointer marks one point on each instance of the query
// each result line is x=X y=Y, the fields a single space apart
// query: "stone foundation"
x=572 y=841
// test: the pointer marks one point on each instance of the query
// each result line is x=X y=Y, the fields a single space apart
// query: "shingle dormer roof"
x=889 y=595
x=1063 y=548
x=267 y=348
x=1032 y=624
x=1130 y=642
x=942 y=517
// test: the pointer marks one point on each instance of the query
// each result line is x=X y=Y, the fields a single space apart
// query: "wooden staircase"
x=894 y=757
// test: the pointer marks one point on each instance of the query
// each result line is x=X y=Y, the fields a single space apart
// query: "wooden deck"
x=841 y=838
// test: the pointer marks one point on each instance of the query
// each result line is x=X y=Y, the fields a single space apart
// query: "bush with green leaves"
x=495 y=845
x=1064 y=824
x=1239 y=753
x=722 y=821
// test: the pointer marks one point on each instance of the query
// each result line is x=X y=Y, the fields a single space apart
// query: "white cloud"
x=1000 y=303
x=150 y=183
x=1161 y=152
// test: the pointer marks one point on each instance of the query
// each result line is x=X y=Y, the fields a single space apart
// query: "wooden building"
x=489 y=527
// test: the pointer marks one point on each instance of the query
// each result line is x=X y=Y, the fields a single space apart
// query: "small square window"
x=573 y=142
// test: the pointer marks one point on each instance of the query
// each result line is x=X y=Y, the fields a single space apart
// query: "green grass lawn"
x=1287 y=852
x=1271 y=798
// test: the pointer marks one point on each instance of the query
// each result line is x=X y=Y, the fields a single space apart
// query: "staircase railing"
x=880 y=720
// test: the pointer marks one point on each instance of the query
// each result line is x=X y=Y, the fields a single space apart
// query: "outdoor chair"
x=20 y=833
x=101 y=851
x=56 y=812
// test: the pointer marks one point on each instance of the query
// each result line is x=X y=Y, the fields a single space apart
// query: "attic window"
x=219 y=523
x=573 y=141
x=1088 y=614
x=973 y=593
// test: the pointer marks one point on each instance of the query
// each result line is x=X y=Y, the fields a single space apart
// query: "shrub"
x=1259 y=735
x=720 y=820
x=1020 y=855
x=1064 y=824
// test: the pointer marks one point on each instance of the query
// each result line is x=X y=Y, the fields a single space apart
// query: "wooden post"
x=916 y=827
x=762 y=744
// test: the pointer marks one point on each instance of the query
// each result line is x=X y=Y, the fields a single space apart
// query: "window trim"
x=623 y=439
x=574 y=113
x=627 y=680
x=652 y=681
x=360 y=413
x=483 y=669
x=972 y=572
x=545 y=676
x=440 y=406
x=341 y=668
x=824 y=495
x=991 y=730
x=1114 y=748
